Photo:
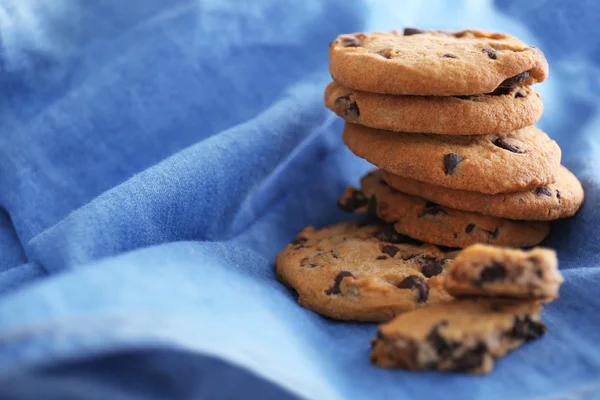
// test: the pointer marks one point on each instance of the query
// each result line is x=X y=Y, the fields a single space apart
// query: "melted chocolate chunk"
x=416 y=282
x=350 y=41
x=542 y=191
x=356 y=200
x=335 y=289
x=451 y=161
x=527 y=329
x=471 y=359
x=492 y=273
x=558 y=196
x=346 y=106
x=515 y=80
x=503 y=144
x=448 y=55
x=470 y=228
x=490 y=52
x=432 y=268
x=382 y=258
x=390 y=250
x=412 y=31
x=442 y=347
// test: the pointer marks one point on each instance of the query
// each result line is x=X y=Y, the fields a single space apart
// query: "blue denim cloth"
x=154 y=157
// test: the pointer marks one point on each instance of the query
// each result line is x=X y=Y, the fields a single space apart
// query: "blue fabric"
x=154 y=157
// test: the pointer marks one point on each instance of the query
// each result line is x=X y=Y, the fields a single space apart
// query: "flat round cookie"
x=481 y=270
x=502 y=111
x=461 y=336
x=423 y=220
x=362 y=271
x=561 y=199
x=434 y=63
x=511 y=162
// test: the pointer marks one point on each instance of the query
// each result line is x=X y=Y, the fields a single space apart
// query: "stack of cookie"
x=447 y=117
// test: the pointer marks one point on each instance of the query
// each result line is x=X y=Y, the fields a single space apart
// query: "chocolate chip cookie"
x=501 y=111
x=560 y=199
x=363 y=271
x=427 y=221
x=511 y=162
x=481 y=270
x=462 y=336
x=434 y=63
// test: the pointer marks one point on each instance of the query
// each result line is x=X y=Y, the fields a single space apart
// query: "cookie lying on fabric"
x=511 y=162
x=363 y=271
x=434 y=63
x=502 y=111
x=463 y=335
x=491 y=271
x=560 y=199
x=421 y=219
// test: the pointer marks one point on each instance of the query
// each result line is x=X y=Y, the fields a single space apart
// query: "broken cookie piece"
x=481 y=270
x=462 y=336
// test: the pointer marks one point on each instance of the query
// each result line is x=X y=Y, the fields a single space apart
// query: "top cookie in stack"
x=448 y=117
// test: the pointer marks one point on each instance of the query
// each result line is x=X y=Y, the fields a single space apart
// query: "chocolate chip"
x=299 y=243
x=350 y=41
x=347 y=107
x=558 y=195
x=490 y=52
x=432 y=208
x=335 y=289
x=470 y=228
x=542 y=191
x=492 y=273
x=351 y=203
x=387 y=233
x=472 y=359
x=442 y=347
x=412 y=31
x=527 y=329
x=372 y=206
x=451 y=161
x=494 y=234
x=306 y=264
x=448 y=55
x=503 y=144
x=515 y=80
x=432 y=268
x=416 y=282
x=382 y=258
x=390 y=250
x=500 y=91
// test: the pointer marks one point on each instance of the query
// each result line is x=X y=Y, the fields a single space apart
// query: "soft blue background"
x=156 y=155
